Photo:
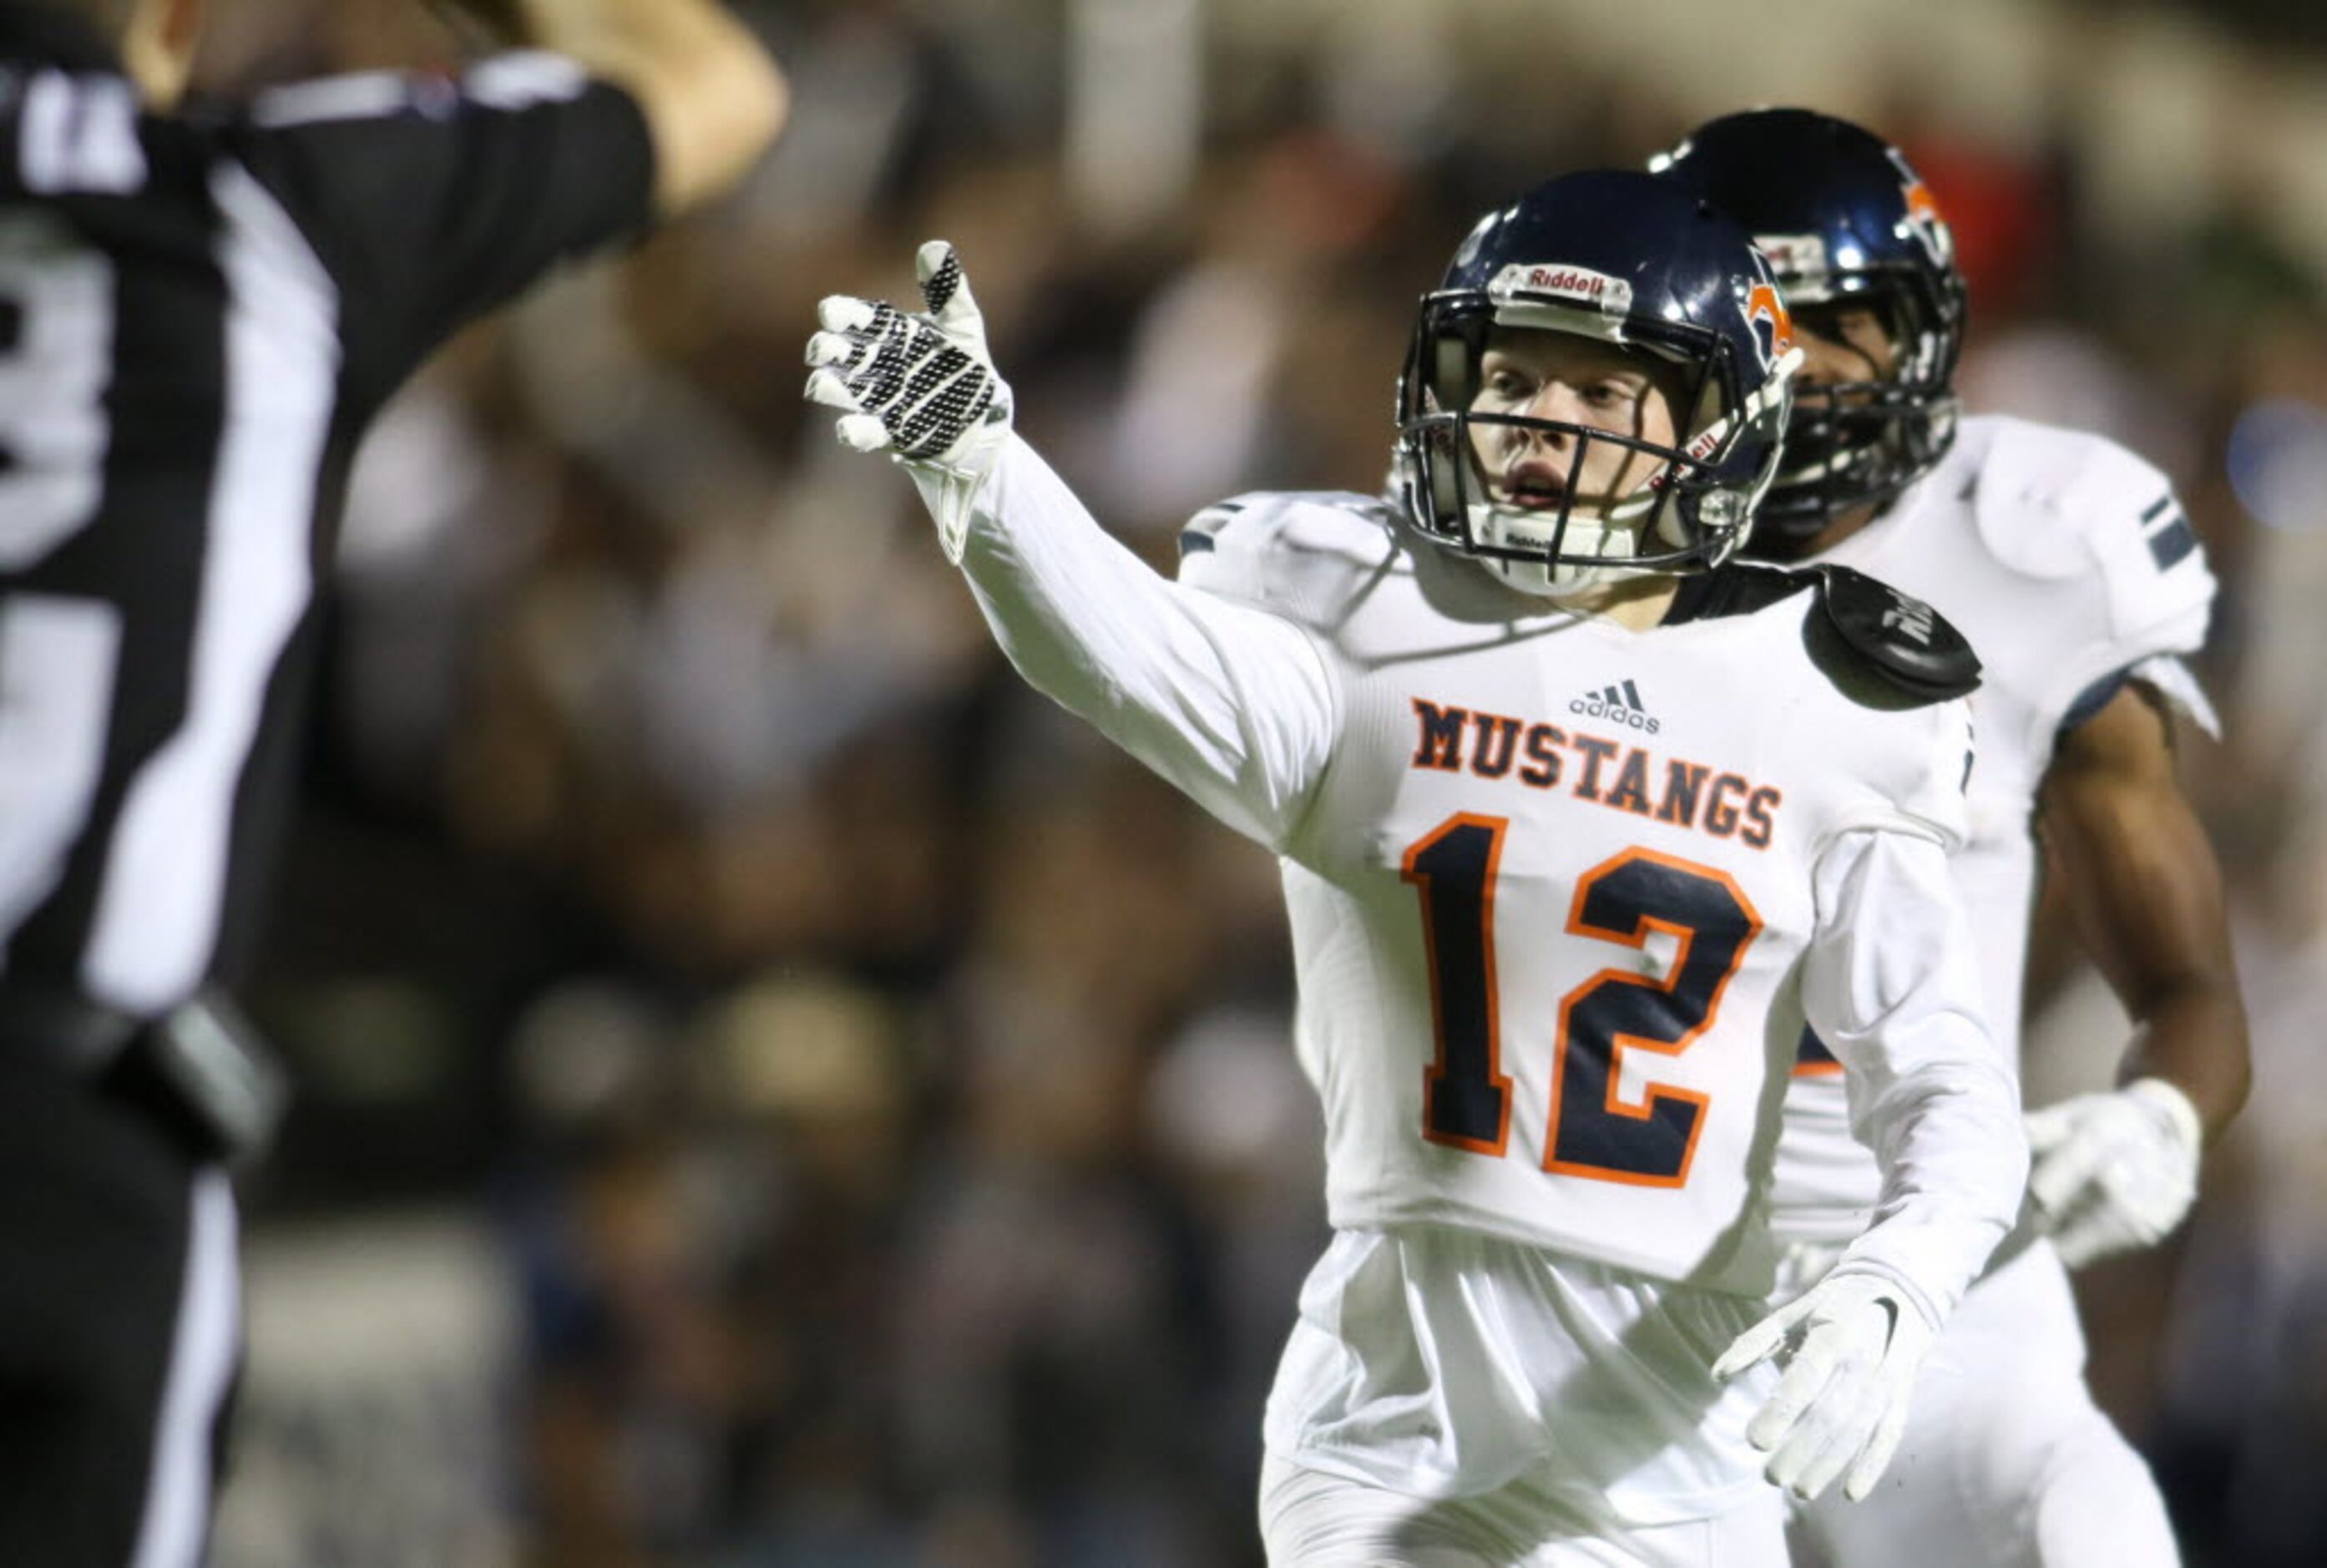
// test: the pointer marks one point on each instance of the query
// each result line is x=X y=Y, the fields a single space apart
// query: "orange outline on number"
x=1619 y=1044
x=1497 y=829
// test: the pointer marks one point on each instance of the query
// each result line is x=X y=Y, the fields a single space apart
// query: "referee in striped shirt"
x=198 y=312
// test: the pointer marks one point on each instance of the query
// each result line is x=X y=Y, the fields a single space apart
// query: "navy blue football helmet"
x=1842 y=217
x=1621 y=258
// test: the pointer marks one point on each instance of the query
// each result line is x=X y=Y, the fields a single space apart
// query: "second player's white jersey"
x=1551 y=899
x=2065 y=560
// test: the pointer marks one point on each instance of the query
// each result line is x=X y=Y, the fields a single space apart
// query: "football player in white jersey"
x=2069 y=565
x=1577 y=832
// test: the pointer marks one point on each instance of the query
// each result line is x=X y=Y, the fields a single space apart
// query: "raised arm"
x=1233 y=704
x=712 y=98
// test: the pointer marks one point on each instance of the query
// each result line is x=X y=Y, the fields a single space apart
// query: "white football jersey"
x=1563 y=897
x=1551 y=899
x=2065 y=560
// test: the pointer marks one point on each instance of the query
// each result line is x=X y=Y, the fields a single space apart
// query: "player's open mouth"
x=1534 y=487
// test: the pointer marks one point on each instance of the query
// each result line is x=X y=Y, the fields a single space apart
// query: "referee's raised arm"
x=712 y=97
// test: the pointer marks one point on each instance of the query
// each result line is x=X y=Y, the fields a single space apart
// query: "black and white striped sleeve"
x=432 y=200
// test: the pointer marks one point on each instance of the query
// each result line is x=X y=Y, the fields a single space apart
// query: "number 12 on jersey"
x=1593 y=1131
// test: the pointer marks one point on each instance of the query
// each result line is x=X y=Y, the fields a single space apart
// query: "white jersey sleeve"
x=1233 y=704
x=1919 y=790
x=1305 y=554
x=1891 y=983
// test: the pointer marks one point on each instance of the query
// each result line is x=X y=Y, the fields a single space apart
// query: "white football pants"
x=2008 y=1462
x=1309 y=1519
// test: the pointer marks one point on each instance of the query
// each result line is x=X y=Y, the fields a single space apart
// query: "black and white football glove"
x=919 y=386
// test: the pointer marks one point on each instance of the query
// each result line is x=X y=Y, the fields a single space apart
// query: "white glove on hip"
x=922 y=387
x=1859 y=1339
x=2113 y=1172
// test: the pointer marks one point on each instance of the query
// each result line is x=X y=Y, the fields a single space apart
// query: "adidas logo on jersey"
x=1618 y=704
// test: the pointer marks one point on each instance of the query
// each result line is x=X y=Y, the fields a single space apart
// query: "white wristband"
x=2170 y=1103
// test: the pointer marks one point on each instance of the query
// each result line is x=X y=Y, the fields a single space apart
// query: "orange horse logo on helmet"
x=1924 y=214
x=1765 y=314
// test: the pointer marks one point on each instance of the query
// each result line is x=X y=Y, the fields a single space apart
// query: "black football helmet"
x=1842 y=216
x=1623 y=258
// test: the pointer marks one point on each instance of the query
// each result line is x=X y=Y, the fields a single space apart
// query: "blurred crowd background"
x=776 y=1092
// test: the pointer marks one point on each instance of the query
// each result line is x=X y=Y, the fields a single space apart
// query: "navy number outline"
x=1592 y=1132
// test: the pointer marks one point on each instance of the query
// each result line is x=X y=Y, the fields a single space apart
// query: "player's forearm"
x=2150 y=908
x=2193 y=1035
x=1891 y=986
x=1228 y=703
x=1955 y=1162
x=1931 y=1096
x=712 y=98
x=2145 y=892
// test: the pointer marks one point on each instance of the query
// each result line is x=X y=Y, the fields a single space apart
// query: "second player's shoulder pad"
x=1914 y=649
x=2054 y=502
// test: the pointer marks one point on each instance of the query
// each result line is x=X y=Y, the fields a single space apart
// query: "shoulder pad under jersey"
x=1906 y=641
x=2064 y=504
x=2045 y=498
x=1265 y=548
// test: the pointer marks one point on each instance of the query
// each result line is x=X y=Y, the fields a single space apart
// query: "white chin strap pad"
x=1611 y=545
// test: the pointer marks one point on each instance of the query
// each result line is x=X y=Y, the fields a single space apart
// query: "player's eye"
x=1859 y=328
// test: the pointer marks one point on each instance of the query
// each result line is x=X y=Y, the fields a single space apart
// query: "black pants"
x=119 y=1326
